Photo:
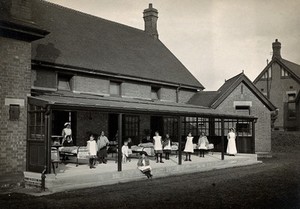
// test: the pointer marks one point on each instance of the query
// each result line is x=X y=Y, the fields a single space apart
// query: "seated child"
x=144 y=165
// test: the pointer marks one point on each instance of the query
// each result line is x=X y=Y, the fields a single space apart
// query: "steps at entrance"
x=93 y=178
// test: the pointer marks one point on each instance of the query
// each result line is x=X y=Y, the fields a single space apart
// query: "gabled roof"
x=88 y=42
x=225 y=90
x=292 y=68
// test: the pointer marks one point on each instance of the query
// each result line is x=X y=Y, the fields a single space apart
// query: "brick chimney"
x=16 y=9
x=276 y=49
x=150 y=18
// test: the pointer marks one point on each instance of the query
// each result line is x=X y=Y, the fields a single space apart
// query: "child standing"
x=202 y=144
x=167 y=146
x=189 y=147
x=157 y=141
x=125 y=152
x=92 y=148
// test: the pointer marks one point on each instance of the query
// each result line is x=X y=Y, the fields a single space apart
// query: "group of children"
x=189 y=146
x=99 y=149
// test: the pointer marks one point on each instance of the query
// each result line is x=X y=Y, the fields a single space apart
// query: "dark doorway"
x=157 y=124
x=59 y=118
x=112 y=127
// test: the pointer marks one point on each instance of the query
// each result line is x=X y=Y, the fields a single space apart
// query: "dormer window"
x=64 y=82
x=155 y=93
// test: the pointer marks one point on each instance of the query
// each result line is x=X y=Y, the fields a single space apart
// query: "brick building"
x=280 y=82
x=98 y=75
x=238 y=95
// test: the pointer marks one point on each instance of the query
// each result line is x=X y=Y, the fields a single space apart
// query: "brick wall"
x=258 y=109
x=278 y=89
x=94 y=122
x=185 y=95
x=90 y=122
x=133 y=90
x=44 y=79
x=91 y=85
x=168 y=94
x=15 y=82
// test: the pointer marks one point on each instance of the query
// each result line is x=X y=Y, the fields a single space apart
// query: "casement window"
x=171 y=127
x=115 y=88
x=284 y=73
x=155 y=93
x=131 y=127
x=36 y=122
x=244 y=128
x=196 y=125
x=64 y=82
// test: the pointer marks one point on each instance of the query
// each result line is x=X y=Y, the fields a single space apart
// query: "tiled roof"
x=204 y=98
x=225 y=90
x=90 y=102
x=85 y=41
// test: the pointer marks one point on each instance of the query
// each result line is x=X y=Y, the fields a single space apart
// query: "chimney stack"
x=276 y=49
x=150 y=18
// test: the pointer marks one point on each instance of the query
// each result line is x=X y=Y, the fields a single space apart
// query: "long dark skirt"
x=102 y=153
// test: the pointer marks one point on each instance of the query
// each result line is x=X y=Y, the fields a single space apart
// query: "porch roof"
x=74 y=101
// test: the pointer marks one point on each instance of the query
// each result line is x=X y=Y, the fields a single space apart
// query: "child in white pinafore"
x=158 y=148
x=92 y=148
x=189 y=147
x=125 y=152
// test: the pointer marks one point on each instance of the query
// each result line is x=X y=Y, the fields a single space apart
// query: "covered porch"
x=128 y=116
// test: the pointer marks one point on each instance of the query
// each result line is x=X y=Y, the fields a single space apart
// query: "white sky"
x=214 y=39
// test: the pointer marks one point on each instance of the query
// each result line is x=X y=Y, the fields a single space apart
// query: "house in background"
x=280 y=82
x=238 y=95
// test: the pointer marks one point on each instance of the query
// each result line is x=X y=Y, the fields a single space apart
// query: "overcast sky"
x=214 y=39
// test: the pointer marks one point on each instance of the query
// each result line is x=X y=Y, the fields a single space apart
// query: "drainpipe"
x=177 y=93
x=47 y=139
